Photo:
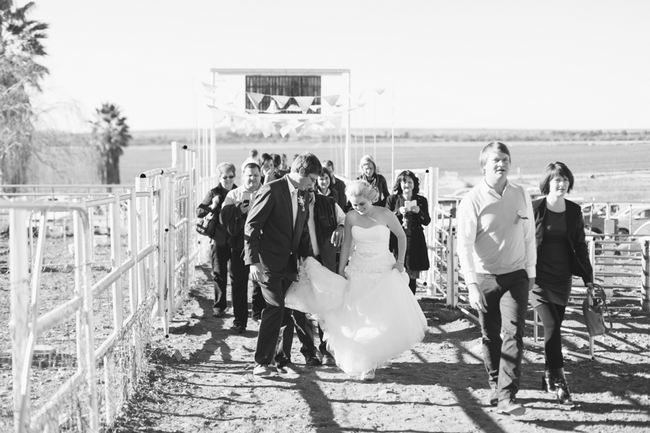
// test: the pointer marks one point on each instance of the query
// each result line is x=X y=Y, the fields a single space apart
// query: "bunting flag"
x=293 y=108
x=281 y=100
x=332 y=100
x=304 y=102
x=273 y=107
x=255 y=98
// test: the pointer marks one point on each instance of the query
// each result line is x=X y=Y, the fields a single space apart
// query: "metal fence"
x=128 y=268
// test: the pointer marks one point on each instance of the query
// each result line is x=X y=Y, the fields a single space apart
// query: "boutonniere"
x=522 y=215
x=301 y=202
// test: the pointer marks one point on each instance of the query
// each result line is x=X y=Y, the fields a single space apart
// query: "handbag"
x=207 y=226
x=594 y=308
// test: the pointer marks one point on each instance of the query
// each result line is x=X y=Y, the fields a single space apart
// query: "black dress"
x=417 y=257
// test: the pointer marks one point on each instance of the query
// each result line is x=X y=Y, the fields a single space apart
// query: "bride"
x=369 y=316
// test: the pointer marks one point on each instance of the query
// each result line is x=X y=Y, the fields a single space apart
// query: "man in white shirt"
x=497 y=254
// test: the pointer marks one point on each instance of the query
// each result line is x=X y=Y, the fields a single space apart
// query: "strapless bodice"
x=371 y=240
x=370 y=252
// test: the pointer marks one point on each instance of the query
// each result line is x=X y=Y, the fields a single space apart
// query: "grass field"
x=604 y=171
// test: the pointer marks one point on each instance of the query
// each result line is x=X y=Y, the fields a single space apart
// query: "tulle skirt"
x=367 y=319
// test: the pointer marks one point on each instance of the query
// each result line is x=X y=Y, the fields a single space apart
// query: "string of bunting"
x=308 y=115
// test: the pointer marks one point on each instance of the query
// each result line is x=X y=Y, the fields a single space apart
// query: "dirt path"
x=201 y=381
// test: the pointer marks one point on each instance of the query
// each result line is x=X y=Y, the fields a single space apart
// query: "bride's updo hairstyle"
x=361 y=188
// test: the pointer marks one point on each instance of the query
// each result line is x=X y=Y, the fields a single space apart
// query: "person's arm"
x=383 y=187
x=338 y=233
x=466 y=222
x=582 y=251
x=347 y=243
x=396 y=228
x=257 y=216
x=232 y=217
x=423 y=210
x=530 y=242
x=205 y=207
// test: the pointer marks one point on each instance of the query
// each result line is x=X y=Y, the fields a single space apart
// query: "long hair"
x=406 y=174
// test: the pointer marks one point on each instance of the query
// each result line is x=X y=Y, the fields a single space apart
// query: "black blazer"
x=269 y=237
x=580 y=264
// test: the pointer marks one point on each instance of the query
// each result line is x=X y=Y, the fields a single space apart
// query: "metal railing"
x=150 y=233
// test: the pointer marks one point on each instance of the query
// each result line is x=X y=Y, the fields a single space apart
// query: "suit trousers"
x=506 y=296
x=275 y=336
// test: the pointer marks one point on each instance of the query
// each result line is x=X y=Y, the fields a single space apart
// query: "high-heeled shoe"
x=548 y=381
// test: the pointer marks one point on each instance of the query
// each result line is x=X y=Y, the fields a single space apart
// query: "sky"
x=498 y=64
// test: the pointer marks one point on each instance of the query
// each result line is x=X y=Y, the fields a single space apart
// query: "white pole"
x=19 y=280
x=346 y=155
x=392 y=136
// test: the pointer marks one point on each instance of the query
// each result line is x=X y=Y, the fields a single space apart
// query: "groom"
x=275 y=236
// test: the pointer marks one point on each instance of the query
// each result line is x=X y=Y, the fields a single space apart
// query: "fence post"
x=645 y=275
x=19 y=277
x=85 y=330
x=452 y=277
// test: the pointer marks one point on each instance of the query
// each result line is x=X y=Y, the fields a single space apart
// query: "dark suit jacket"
x=269 y=237
x=580 y=264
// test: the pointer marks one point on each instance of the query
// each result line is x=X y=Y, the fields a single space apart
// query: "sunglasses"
x=228 y=177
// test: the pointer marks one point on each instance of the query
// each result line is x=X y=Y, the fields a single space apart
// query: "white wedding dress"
x=371 y=316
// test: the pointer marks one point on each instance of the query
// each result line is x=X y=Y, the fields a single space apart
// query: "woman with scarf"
x=368 y=173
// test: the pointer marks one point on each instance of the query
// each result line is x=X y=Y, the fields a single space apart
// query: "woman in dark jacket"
x=368 y=172
x=561 y=253
x=210 y=207
x=412 y=211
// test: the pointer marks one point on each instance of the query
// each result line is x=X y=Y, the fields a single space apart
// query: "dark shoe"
x=313 y=361
x=493 y=398
x=548 y=381
x=238 y=329
x=262 y=370
x=510 y=407
x=562 y=388
x=288 y=369
x=328 y=360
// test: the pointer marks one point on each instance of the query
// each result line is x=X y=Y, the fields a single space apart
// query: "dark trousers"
x=507 y=299
x=258 y=302
x=239 y=288
x=219 y=256
x=552 y=316
x=276 y=328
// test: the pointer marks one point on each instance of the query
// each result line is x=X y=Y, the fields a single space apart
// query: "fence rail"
x=148 y=232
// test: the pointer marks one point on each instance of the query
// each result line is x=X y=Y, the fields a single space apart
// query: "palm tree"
x=110 y=135
x=20 y=45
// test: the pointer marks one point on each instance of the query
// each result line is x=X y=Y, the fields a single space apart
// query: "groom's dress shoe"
x=313 y=361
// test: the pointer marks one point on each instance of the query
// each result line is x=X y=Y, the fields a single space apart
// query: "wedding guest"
x=266 y=165
x=497 y=254
x=368 y=172
x=561 y=252
x=219 y=245
x=337 y=185
x=412 y=211
x=324 y=185
x=326 y=219
x=275 y=236
x=254 y=155
x=233 y=216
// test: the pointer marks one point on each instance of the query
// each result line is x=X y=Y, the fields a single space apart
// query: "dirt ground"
x=201 y=381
